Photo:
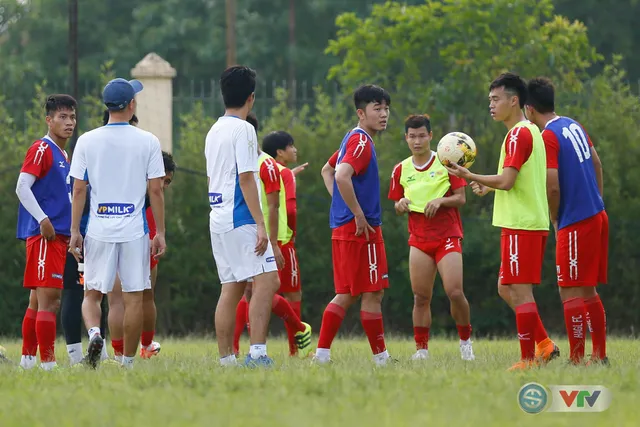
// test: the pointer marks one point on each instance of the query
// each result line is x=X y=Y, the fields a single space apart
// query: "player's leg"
x=116 y=319
x=71 y=311
x=290 y=290
x=29 y=337
x=230 y=296
x=242 y=318
x=301 y=331
x=449 y=259
x=149 y=347
x=422 y=273
x=48 y=306
x=264 y=288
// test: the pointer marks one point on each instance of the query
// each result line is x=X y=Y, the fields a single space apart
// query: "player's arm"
x=456 y=199
x=552 y=149
x=289 y=182
x=597 y=165
x=396 y=191
x=36 y=165
x=270 y=177
x=78 y=172
x=504 y=181
x=155 y=178
x=329 y=173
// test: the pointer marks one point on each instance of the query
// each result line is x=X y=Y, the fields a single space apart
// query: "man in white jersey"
x=241 y=248
x=118 y=160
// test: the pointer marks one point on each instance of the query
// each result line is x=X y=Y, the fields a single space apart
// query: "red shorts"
x=45 y=262
x=437 y=249
x=582 y=252
x=290 y=273
x=359 y=267
x=521 y=253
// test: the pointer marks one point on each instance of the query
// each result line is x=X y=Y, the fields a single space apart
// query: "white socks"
x=228 y=360
x=75 y=353
x=258 y=350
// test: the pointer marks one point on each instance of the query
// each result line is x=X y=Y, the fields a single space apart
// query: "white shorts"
x=235 y=258
x=130 y=260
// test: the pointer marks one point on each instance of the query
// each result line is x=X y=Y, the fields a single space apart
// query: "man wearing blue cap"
x=119 y=160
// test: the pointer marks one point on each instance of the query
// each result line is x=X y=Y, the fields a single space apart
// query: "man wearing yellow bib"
x=520 y=209
x=423 y=188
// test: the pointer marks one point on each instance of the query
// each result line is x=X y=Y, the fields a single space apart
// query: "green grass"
x=185 y=386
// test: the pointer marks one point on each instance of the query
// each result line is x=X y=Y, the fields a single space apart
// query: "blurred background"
x=435 y=57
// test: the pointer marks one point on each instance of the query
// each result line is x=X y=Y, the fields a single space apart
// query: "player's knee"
x=293 y=296
x=455 y=294
x=421 y=300
x=504 y=292
x=148 y=295
x=52 y=304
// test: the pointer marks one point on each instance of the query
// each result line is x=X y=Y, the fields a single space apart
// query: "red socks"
x=598 y=326
x=421 y=335
x=283 y=310
x=118 y=347
x=147 y=338
x=29 y=337
x=527 y=320
x=464 y=332
x=242 y=317
x=331 y=321
x=574 y=320
x=540 y=333
x=291 y=334
x=374 y=328
x=46 y=335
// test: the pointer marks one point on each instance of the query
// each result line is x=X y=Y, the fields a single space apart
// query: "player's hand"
x=263 y=241
x=432 y=208
x=46 y=229
x=362 y=226
x=479 y=189
x=402 y=205
x=277 y=253
x=555 y=228
x=158 y=246
x=75 y=245
x=300 y=168
x=457 y=170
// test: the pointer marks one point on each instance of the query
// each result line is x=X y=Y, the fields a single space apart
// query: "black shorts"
x=71 y=276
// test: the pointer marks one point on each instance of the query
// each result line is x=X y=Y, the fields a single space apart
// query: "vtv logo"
x=579 y=398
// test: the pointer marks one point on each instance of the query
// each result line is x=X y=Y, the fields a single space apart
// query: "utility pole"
x=292 y=48
x=231 y=32
x=73 y=60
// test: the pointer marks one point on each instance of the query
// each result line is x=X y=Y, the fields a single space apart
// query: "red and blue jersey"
x=357 y=149
x=568 y=149
x=52 y=189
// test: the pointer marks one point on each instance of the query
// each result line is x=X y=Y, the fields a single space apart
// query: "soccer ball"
x=457 y=147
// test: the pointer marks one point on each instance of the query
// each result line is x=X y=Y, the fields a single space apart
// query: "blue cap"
x=118 y=93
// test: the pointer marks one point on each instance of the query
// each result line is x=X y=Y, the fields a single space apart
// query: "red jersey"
x=289 y=182
x=446 y=222
x=270 y=175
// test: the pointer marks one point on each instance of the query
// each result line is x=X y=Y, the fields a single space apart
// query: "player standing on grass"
x=119 y=161
x=574 y=191
x=239 y=240
x=422 y=187
x=359 y=257
x=520 y=210
x=44 y=220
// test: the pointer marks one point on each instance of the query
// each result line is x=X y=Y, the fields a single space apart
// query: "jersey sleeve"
x=270 y=176
x=551 y=147
x=78 y=168
x=456 y=182
x=38 y=160
x=333 y=159
x=246 y=148
x=358 y=152
x=155 y=168
x=396 y=190
x=518 y=147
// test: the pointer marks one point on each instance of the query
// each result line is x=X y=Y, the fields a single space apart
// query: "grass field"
x=184 y=386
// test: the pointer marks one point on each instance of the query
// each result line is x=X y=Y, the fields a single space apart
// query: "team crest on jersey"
x=115 y=210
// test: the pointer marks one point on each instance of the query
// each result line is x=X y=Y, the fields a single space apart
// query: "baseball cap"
x=118 y=93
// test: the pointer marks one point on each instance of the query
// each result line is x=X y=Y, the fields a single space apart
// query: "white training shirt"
x=231 y=148
x=117 y=160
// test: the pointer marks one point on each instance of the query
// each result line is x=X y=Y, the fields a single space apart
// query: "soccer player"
x=44 y=220
x=574 y=191
x=359 y=257
x=239 y=239
x=521 y=211
x=422 y=188
x=119 y=161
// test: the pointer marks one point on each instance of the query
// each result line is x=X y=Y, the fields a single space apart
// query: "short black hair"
x=416 y=121
x=541 y=95
x=512 y=83
x=169 y=163
x=237 y=83
x=253 y=120
x=59 y=102
x=274 y=141
x=367 y=94
x=105 y=118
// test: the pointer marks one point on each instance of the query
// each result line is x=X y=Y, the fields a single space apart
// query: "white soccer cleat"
x=421 y=354
x=466 y=350
x=28 y=362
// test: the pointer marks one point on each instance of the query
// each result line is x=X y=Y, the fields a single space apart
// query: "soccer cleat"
x=262 y=361
x=28 y=362
x=49 y=366
x=524 y=365
x=598 y=362
x=94 y=351
x=547 y=350
x=466 y=351
x=3 y=358
x=149 y=351
x=303 y=341
x=319 y=361
x=422 y=354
